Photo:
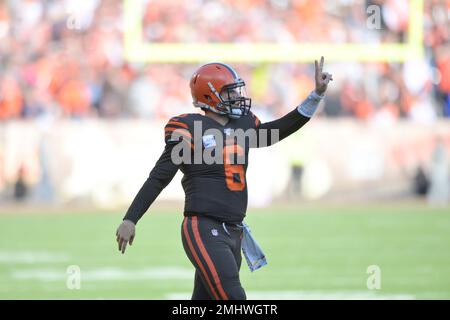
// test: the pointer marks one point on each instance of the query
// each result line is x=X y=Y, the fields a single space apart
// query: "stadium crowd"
x=64 y=58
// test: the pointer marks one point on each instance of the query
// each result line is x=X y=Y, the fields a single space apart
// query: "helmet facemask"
x=233 y=100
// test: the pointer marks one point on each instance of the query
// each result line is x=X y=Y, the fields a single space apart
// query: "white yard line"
x=109 y=273
x=309 y=295
x=30 y=257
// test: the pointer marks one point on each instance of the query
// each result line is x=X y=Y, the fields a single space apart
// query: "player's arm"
x=298 y=117
x=159 y=178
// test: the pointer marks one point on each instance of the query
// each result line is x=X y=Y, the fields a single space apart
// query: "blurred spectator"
x=20 y=187
x=66 y=57
x=294 y=186
x=439 y=192
x=421 y=182
x=11 y=101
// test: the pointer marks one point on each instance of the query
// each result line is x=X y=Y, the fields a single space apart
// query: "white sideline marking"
x=309 y=295
x=100 y=274
x=30 y=257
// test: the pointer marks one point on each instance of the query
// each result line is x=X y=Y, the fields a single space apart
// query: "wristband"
x=310 y=105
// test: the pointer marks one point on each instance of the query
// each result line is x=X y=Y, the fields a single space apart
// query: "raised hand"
x=322 y=78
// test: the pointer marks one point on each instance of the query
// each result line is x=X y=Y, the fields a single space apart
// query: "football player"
x=215 y=193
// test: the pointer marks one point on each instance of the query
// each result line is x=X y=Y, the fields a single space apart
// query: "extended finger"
x=131 y=240
x=321 y=63
x=124 y=245
x=120 y=243
x=316 y=69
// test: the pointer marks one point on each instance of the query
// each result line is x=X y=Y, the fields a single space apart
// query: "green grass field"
x=320 y=253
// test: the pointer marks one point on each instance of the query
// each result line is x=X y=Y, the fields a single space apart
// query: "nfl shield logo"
x=214 y=232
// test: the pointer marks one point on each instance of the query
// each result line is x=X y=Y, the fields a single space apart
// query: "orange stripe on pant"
x=207 y=258
x=197 y=260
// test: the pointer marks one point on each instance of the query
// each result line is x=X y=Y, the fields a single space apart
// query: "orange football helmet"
x=217 y=87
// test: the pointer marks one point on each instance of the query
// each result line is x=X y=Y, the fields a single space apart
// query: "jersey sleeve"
x=159 y=178
x=269 y=133
x=255 y=122
x=178 y=130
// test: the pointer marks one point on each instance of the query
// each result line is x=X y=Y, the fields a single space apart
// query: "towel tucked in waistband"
x=252 y=251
